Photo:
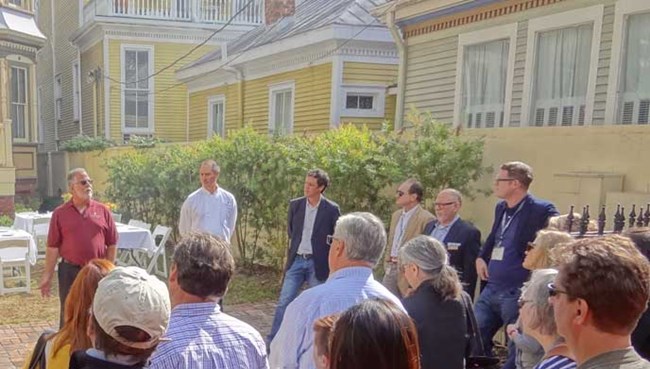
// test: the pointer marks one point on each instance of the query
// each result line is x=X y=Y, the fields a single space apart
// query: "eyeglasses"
x=399 y=193
x=553 y=291
x=330 y=238
x=441 y=204
x=84 y=182
x=504 y=180
x=530 y=246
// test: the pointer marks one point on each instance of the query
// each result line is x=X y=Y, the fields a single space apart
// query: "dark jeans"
x=494 y=309
x=67 y=274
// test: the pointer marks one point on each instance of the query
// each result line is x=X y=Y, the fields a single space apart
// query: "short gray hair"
x=431 y=257
x=453 y=192
x=213 y=164
x=73 y=173
x=364 y=236
x=536 y=294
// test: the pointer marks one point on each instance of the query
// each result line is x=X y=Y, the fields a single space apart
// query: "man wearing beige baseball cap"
x=129 y=315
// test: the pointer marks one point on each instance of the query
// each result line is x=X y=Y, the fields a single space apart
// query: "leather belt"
x=70 y=263
x=305 y=256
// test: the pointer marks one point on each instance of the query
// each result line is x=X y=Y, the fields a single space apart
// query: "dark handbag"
x=474 y=352
x=39 y=359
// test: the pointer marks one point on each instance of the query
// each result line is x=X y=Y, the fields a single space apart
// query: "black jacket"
x=81 y=360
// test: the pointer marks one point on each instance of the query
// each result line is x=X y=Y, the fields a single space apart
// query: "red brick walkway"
x=16 y=340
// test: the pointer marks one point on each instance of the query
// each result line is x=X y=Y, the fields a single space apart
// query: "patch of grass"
x=31 y=307
x=254 y=284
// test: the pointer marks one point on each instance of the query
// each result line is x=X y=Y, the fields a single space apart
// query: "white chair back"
x=40 y=229
x=158 y=264
x=117 y=218
x=139 y=223
x=14 y=254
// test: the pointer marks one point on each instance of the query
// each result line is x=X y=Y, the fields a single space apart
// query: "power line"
x=202 y=43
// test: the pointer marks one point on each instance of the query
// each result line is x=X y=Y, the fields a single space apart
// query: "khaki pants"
x=394 y=280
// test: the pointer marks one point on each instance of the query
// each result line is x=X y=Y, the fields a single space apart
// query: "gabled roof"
x=309 y=15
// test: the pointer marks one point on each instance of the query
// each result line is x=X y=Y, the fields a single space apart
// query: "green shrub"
x=86 y=143
x=265 y=172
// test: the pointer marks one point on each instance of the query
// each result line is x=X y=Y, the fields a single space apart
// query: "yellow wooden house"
x=108 y=67
x=20 y=40
x=312 y=66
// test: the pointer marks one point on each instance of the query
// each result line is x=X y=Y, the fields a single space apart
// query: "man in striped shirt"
x=356 y=247
x=200 y=335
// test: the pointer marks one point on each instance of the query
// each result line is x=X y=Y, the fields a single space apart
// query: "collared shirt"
x=308 y=228
x=214 y=213
x=200 y=336
x=402 y=223
x=81 y=237
x=293 y=345
x=440 y=232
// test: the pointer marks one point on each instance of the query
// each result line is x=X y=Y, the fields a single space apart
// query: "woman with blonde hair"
x=72 y=336
x=538 y=253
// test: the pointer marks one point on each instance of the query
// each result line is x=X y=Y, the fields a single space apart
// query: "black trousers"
x=67 y=274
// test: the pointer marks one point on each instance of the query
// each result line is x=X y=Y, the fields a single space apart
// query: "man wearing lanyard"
x=517 y=219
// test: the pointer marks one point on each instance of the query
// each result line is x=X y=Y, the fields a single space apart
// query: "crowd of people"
x=563 y=303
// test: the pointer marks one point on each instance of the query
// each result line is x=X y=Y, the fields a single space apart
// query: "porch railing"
x=637 y=217
x=203 y=11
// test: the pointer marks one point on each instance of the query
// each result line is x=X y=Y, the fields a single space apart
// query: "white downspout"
x=401 y=69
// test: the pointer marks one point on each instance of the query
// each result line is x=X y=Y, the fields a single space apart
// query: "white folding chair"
x=40 y=228
x=14 y=255
x=158 y=264
x=139 y=223
x=117 y=218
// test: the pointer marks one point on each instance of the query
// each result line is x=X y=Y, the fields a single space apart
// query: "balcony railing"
x=203 y=11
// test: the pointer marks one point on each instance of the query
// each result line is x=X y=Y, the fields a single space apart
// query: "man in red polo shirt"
x=80 y=230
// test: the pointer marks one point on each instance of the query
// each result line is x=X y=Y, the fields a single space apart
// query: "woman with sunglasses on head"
x=437 y=304
x=536 y=315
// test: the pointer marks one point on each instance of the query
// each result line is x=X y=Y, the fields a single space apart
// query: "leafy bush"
x=85 y=143
x=264 y=172
x=6 y=221
x=143 y=142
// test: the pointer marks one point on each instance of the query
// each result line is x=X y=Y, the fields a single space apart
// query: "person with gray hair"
x=210 y=209
x=200 y=335
x=355 y=249
x=442 y=311
x=536 y=315
x=80 y=230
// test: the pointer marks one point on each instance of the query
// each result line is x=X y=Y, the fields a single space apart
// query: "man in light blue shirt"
x=210 y=209
x=356 y=247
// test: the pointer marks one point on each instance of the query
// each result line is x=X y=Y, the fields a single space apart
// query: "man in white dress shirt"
x=210 y=209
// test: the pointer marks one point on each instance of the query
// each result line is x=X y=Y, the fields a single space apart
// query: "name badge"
x=453 y=246
x=497 y=253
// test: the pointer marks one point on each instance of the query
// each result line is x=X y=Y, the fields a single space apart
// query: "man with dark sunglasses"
x=80 y=230
x=601 y=290
x=406 y=223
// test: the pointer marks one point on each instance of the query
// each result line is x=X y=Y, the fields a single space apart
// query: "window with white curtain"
x=561 y=76
x=635 y=82
x=485 y=70
x=281 y=109
x=19 y=102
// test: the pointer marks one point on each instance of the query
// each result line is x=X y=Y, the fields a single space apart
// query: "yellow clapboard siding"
x=199 y=110
x=375 y=123
x=92 y=111
x=369 y=73
x=169 y=97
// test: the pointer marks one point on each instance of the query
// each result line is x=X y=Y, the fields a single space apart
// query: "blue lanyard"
x=506 y=224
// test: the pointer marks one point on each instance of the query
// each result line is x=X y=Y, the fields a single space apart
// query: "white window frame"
x=592 y=14
x=378 y=94
x=26 y=104
x=76 y=91
x=277 y=88
x=58 y=98
x=624 y=8
x=215 y=100
x=150 y=124
x=506 y=31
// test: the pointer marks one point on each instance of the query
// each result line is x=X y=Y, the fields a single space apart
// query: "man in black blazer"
x=311 y=219
x=461 y=239
x=516 y=221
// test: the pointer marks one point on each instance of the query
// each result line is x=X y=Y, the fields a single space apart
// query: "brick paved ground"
x=17 y=339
